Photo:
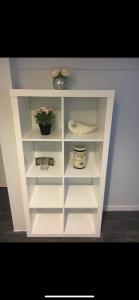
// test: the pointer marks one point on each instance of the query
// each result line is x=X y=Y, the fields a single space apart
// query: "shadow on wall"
x=111 y=152
x=2 y=171
x=72 y=82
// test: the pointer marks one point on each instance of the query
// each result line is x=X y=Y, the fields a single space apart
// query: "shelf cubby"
x=47 y=222
x=28 y=107
x=81 y=193
x=80 y=221
x=93 y=166
x=35 y=149
x=88 y=110
x=45 y=192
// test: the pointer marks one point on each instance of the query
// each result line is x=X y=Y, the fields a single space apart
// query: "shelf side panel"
x=101 y=112
x=24 y=114
x=21 y=164
x=108 y=123
x=98 y=148
x=28 y=150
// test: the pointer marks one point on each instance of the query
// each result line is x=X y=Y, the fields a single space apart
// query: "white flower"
x=65 y=72
x=54 y=72
x=43 y=108
x=46 y=109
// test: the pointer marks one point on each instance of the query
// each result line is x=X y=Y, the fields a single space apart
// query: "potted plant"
x=45 y=118
x=60 y=77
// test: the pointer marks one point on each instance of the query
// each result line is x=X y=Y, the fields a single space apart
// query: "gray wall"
x=122 y=75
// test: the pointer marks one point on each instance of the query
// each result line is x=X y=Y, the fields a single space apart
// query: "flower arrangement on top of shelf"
x=45 y=118
x=60 y=77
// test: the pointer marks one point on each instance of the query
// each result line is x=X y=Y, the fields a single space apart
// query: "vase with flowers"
x=45 y=118
x=60 y=77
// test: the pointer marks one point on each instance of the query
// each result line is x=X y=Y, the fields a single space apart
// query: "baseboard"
x=121 y=208
x=19 y=230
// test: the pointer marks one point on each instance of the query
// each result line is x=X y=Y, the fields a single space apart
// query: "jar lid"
x=80 y=147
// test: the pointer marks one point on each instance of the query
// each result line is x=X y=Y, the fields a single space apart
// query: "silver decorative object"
x=44 y=165
x=59 y=83
x=79 y=157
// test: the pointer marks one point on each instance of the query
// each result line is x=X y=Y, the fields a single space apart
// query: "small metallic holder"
x=44 y=165
x=51 y=161
x=44 y=162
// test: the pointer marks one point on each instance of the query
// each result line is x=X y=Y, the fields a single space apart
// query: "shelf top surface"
x=61 y=93
x=81 y=196
x=35 y=135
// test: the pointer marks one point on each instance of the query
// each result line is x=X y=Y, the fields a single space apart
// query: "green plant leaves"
x=44 y=119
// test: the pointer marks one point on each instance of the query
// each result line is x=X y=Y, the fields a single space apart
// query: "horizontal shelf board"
x=61 y=93
x=53 y=171
x=35 y=135
x=79 y=224
x=81 y=196
x=47 y=196
x=50 y=223
x=96 y=136
x=90 y=170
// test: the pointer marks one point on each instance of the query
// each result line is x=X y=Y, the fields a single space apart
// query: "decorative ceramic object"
x=80 y=128
x=60 y=77
x=59 y=83
x=80 y=157
x=45 y=129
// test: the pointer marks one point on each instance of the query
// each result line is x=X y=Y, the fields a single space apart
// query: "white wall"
x=122 y=75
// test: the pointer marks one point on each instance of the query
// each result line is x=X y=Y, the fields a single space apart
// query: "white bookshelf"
x=62 y=201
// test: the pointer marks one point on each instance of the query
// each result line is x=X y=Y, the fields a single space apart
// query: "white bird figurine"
x=80 y=128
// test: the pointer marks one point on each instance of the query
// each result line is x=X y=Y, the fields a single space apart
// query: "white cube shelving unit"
x=62 y=201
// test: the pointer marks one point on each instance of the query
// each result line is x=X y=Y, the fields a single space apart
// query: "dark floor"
x=116 y=227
